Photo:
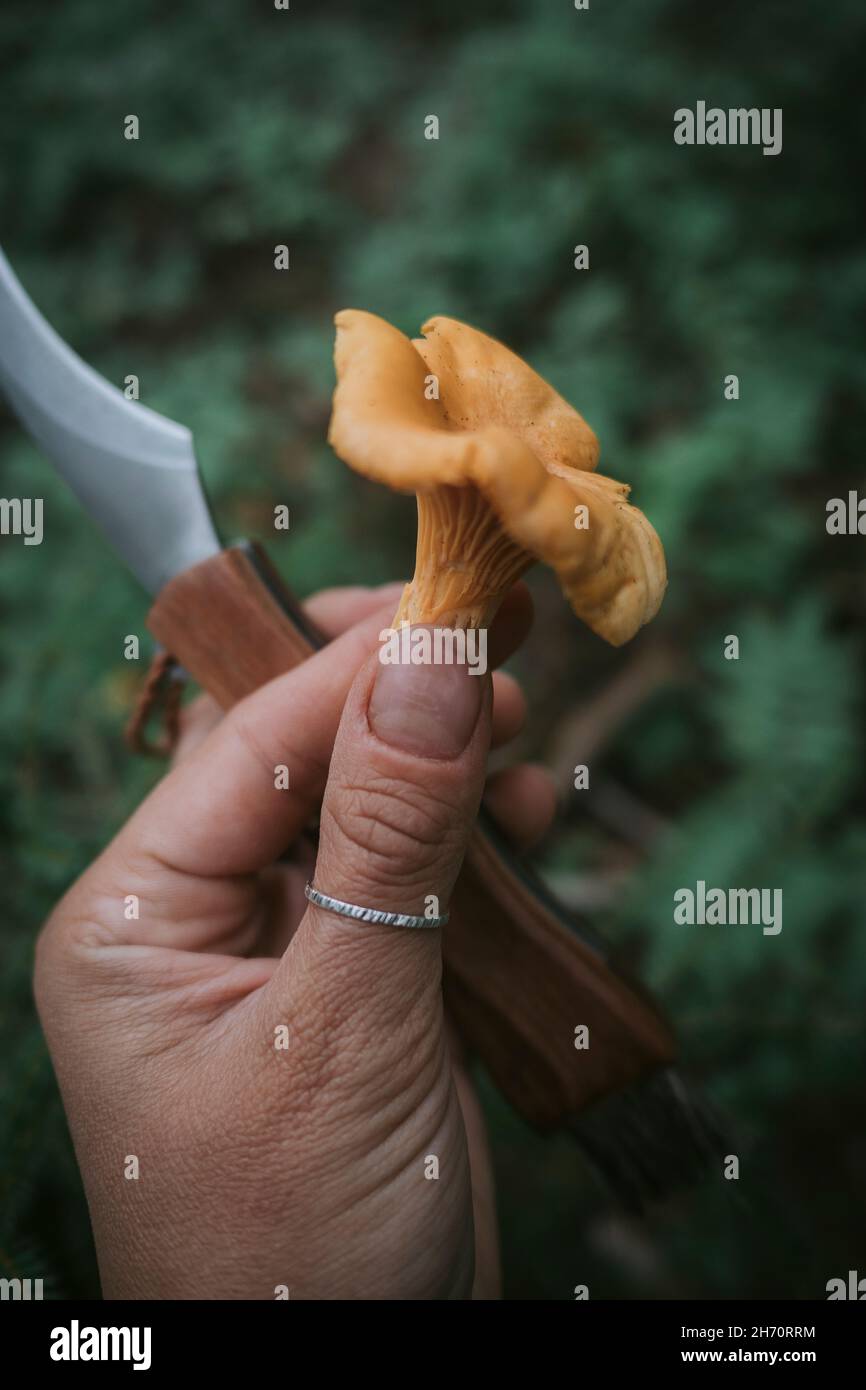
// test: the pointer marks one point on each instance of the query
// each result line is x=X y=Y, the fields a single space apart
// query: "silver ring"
x=371 y=914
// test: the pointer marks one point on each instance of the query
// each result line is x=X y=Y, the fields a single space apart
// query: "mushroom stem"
x=465 y=563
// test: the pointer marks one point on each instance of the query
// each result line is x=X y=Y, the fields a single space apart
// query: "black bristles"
x=652 y=1139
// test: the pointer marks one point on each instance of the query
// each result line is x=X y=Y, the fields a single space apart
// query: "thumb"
x=406 y=779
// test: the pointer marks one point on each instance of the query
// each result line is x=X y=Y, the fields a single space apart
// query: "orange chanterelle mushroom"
x=502 y=468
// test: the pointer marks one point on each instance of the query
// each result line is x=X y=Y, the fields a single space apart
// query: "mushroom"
x=502 y=468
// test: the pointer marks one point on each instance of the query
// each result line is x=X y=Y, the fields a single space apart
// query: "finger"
x=523 y=801
x=200 y=717
x=225 y=810
x=405 y=783
x=335 y=610
x=509 y=709
x=221 y=811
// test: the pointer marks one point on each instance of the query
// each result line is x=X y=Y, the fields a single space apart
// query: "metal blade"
x=134 y=470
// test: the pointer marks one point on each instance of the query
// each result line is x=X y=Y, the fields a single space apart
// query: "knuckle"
x=241 y=721
x=308 y=769
x=71 y=952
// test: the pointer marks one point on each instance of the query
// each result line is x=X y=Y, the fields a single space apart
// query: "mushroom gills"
x=465 y=563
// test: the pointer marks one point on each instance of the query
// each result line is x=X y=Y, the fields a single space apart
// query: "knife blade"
x=134 y=470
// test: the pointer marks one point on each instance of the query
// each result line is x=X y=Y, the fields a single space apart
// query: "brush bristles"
x=652 y=1139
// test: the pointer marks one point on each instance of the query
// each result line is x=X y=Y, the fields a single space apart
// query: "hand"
x=257 y=1088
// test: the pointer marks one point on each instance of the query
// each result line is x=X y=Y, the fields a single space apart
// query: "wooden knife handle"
x=225 y=621
x=521 y=975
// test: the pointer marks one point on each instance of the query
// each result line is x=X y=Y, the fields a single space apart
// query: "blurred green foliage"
x=155 y=257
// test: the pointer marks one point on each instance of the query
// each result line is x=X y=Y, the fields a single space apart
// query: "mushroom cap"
x=497 y=426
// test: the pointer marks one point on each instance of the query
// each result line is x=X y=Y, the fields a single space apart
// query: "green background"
x=155 y=257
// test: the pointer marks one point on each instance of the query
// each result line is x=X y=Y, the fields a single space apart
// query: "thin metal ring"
x=371 y=914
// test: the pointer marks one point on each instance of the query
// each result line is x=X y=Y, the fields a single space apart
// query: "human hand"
x=219 y=1163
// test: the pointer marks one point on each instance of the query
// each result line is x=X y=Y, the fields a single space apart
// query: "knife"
x=520 y=973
